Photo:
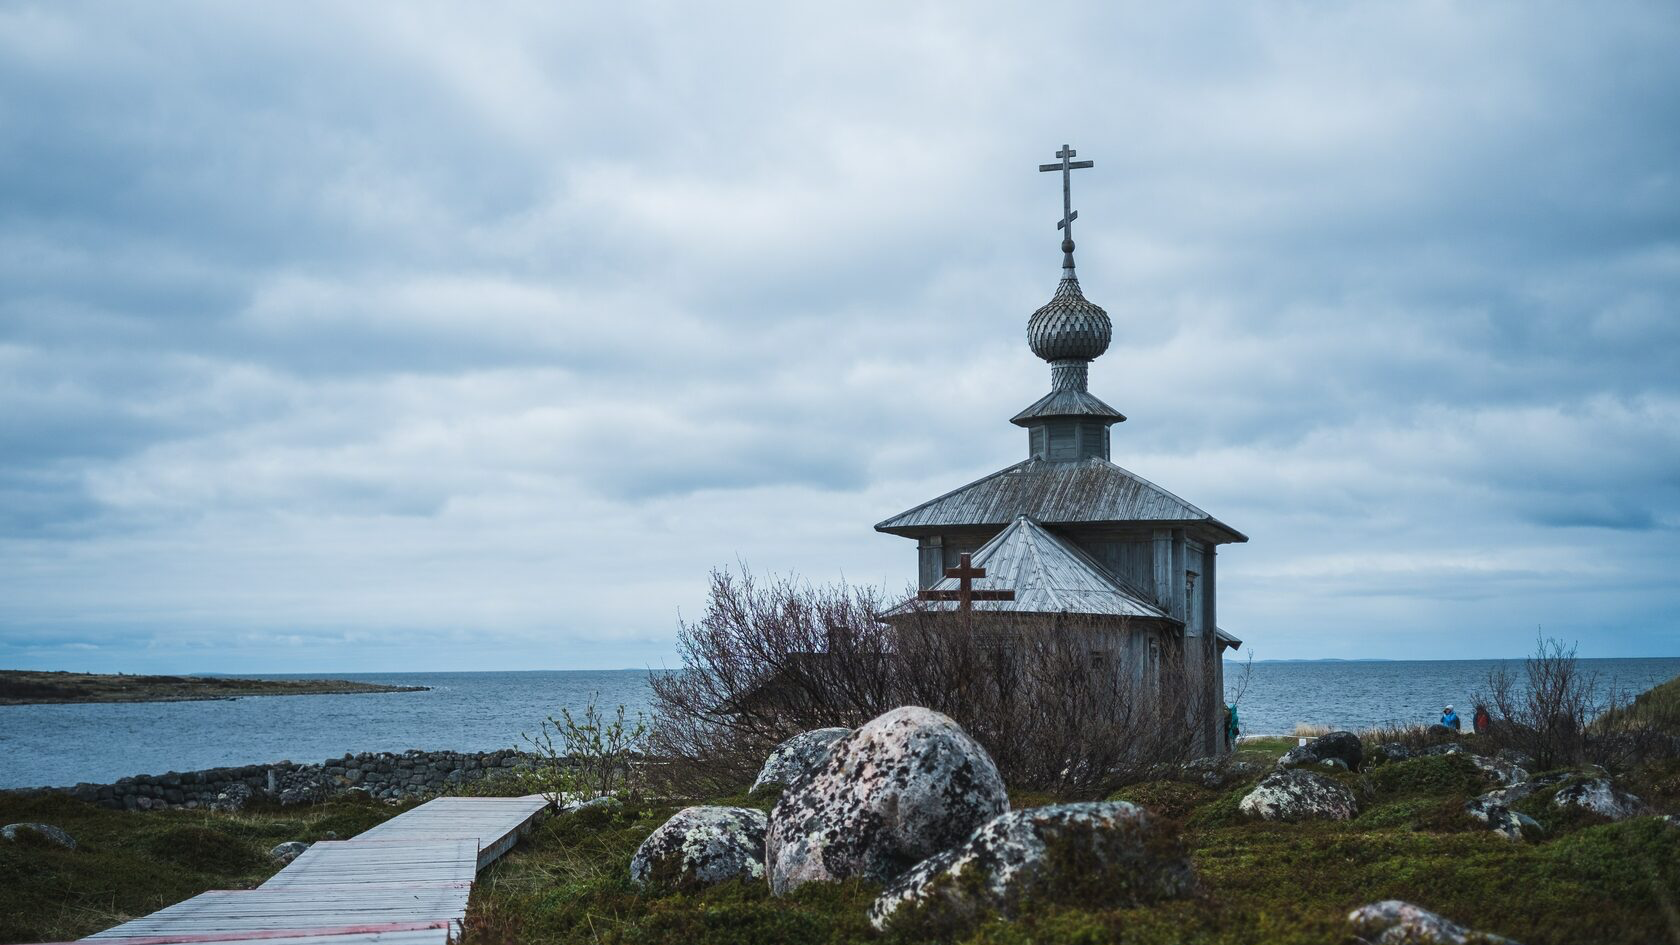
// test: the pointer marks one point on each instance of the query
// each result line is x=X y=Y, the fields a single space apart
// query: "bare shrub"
x=763 y=663
x=1544 y=712
x=1065 y=704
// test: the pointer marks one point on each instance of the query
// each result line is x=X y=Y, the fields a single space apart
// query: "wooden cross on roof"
x=965 y=595
x=1066 y=166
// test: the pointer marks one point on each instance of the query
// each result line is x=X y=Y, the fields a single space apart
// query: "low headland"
x=32 y=687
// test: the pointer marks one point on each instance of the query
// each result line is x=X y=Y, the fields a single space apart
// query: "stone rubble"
x=381 y=775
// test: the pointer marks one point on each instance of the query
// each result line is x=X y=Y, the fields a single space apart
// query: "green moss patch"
x=1171 y=799
x=1435 y=775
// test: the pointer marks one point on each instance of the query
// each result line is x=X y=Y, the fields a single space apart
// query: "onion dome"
x=1069 y=326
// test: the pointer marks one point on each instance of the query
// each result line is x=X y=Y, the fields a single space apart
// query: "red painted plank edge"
x=275 y=933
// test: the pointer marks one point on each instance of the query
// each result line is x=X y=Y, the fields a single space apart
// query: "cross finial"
x=1067 y=166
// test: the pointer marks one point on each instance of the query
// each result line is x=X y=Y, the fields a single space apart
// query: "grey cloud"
x=293 y=293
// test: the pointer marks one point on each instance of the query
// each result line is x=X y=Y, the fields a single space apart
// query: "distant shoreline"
x=30 y=687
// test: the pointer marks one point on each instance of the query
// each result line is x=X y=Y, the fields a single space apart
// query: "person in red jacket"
x=1482 y=720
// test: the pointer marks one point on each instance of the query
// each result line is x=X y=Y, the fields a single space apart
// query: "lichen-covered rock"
x=14 y=833
x=904 y=786
x=1218 y=771
x=1601 y=797
x=1108 y=853
x=1295 y=794
x=1450 y=748
x=1499 y=772
x=1501 y=819
x=1340 y=746
x=1390 y=751
x=288 y=851
x=571 y=805
x=796 y=756
x=1516 y=792
x=702 y=846
x=1393 y=922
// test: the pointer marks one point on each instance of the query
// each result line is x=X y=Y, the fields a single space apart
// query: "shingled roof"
x=1048 y=576
x=1089 y=491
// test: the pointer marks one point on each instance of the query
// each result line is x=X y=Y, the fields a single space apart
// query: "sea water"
x=63 y=744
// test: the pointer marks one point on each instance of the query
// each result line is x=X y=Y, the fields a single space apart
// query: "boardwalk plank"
x=405 y=882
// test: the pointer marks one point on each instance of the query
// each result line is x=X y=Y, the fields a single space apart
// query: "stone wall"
x=381 y=775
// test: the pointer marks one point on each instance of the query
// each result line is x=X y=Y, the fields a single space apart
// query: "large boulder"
x=904 y=786
x=796 y=756
x=1393 y=922
x=1108 y=853
x=1601 y=797
x=1295 y=794
x=702 y=846
x=1500 y=818
x=1336 y=746
x=15 y=833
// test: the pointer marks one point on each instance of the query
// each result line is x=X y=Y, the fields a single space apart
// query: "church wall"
x=1131 y=561
x=935 y=553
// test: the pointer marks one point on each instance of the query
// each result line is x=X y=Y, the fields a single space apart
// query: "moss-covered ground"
x=129 y=864
x=1584 y=880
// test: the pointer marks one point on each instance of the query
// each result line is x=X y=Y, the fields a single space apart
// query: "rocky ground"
x=26 y=687
x=1346 y=842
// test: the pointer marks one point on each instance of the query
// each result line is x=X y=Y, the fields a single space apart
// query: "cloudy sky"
x=424 y=336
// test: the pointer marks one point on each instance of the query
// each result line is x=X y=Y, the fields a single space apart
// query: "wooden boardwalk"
x=405 y=882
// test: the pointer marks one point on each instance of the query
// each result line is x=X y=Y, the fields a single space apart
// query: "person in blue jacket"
x=1449 y=718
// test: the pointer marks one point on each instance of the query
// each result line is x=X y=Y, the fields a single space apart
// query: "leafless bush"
x=765 y=662
x=1543 y=713
x=1063 y=703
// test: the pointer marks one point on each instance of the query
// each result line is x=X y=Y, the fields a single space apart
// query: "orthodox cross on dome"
x=1067 y=166
x=965 y=595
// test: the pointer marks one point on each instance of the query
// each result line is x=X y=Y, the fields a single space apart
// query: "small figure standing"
x=1232 y=727
x=1482 y=721
x=1449 y=718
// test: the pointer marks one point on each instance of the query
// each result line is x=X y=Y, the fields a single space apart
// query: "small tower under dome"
x=1069 y=332
x=1069 y=532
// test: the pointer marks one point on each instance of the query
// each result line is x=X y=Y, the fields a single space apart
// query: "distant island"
x=30 y=687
